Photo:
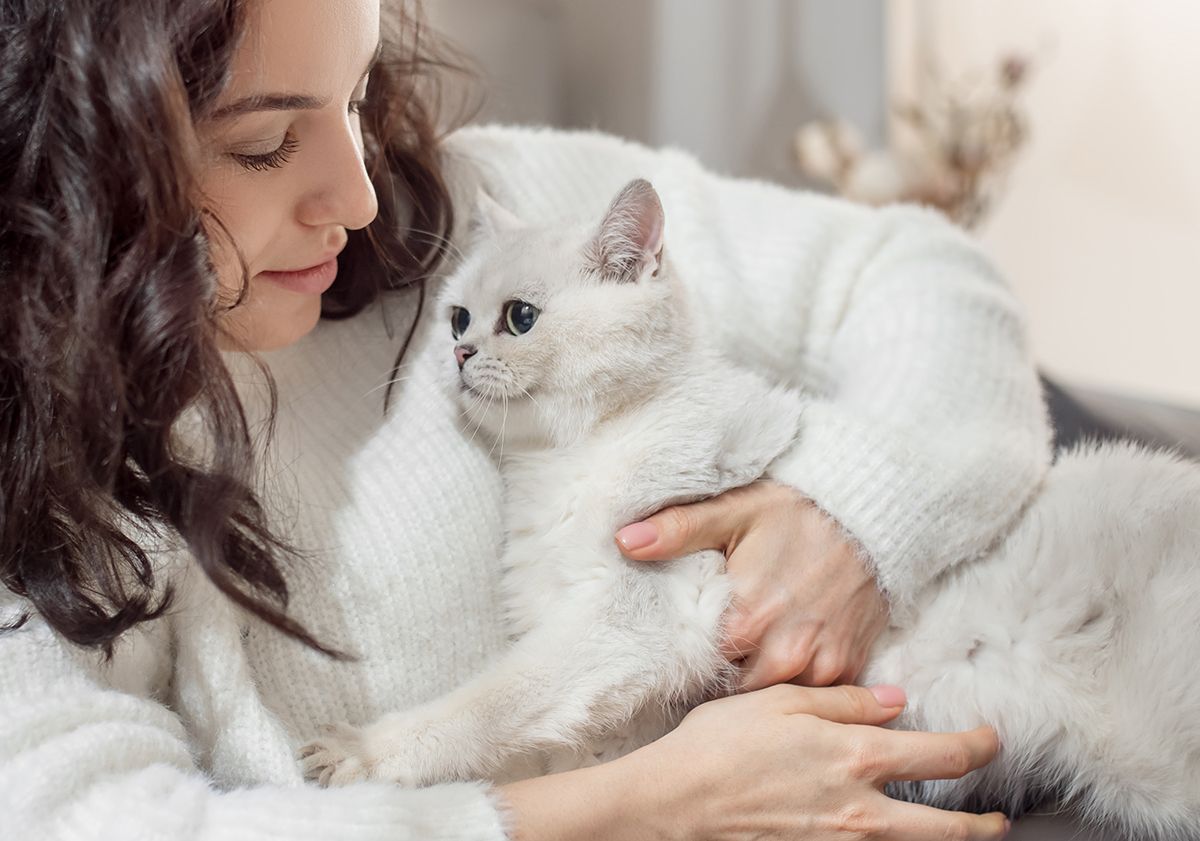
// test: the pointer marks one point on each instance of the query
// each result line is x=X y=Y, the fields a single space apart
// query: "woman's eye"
x=271 y=160
x=460 y=320
x=519 y=317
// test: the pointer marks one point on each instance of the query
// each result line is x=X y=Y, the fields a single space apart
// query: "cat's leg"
x=650 y=724
x=581 y=673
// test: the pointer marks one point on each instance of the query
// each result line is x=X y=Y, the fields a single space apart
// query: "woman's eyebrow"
x=283 y=101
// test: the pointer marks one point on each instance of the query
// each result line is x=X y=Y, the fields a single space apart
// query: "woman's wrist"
x=622 y=800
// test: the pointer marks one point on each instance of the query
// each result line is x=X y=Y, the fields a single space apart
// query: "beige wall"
x=1100 y=228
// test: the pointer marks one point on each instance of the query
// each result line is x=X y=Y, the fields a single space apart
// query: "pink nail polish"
x=637 y=536
x=889 y=696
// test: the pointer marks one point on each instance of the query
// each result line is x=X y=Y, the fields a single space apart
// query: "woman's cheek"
x=253 y=314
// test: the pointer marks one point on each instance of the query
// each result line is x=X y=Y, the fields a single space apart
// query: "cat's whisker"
x=503 y=424
x=434 y=237
x=748 y=647
x=471 y=419
x=475 y=429
x=396 y=381
x=500 y=438
x=471 y=410
x=468 y=408
x=476 y=398
x=483 y=413
x=530 y=396
x=497 y=441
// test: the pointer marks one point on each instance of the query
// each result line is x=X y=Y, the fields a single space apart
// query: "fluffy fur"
x=1073 y=637
x=1076 y=638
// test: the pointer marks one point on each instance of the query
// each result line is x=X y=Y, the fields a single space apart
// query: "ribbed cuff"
x=914 y=508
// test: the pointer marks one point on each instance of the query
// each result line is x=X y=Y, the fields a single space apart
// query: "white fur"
x=1076 y=638
x=1073 y=637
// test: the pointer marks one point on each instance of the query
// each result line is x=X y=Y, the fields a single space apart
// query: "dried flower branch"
x=951 y=150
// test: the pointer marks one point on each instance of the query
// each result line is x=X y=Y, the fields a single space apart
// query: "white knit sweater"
x=924 y=436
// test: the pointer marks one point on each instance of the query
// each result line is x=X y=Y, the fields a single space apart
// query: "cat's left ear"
x=628 y=246
x=490 y=217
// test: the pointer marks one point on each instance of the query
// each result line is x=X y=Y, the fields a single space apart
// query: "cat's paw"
x=336 y=758
x=343 y=755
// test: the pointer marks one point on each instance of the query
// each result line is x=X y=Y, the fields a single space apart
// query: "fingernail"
x=637 y=536
x=889 y=696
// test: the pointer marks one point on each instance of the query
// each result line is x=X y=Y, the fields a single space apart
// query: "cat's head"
x=559 y=325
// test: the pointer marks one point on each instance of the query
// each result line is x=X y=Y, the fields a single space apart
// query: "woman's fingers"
x=914 y=822
x=899 y=755
x=768 y=666
x=842 y=704
x=682 y=529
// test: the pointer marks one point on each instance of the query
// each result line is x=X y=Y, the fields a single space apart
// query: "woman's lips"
x=311 y=281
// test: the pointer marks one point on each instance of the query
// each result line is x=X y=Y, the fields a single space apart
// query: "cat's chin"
x=505 y=420
x=487 y=391
x=476 y=397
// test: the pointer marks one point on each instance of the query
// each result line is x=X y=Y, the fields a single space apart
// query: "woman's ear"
x=628 y=246
x=489 y=217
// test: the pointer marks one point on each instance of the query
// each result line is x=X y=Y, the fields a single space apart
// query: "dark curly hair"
x=108 y=318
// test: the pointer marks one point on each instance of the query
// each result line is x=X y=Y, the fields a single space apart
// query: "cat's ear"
x=490 y=217
x=628 y=246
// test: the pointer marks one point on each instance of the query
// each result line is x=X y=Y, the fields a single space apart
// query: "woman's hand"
x=787 y=763
x=777 y=764
x=805 y=607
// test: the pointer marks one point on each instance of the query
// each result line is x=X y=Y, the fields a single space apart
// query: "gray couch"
x=1083 y=414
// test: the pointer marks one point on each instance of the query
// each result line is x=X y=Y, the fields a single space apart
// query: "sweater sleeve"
x=924 y=432
x=82 y=760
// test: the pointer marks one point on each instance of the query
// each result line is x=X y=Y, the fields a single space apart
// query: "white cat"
x=1075 y=638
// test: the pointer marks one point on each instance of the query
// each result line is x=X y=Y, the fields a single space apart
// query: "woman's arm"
x=926 y=433
x=80 y=760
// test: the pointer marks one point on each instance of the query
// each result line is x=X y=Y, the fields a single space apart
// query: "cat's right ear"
x=628 y=247
x=490 y=217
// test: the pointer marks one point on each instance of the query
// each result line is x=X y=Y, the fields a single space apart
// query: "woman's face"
x=283 y=169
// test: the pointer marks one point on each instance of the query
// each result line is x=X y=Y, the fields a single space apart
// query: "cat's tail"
x=1079 y=640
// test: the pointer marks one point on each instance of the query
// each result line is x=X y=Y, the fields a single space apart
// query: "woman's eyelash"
x=276 y=159
x=271 y=160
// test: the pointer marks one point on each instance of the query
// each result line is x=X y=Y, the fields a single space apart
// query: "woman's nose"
x=462 y=353
x=344 y=195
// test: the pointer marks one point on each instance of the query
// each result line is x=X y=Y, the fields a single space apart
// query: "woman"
x=188 y=181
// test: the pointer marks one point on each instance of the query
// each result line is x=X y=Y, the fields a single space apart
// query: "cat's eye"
x=519 y=317
x=460 y=320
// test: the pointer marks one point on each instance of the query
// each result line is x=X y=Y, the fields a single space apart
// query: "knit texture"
x=924 y=435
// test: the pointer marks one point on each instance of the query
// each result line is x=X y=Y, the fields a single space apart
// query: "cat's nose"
x=462 y=353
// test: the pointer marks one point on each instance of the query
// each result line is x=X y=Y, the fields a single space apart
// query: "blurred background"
x=1066 y=135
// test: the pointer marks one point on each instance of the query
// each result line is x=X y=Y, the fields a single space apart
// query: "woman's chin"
x=270 y=321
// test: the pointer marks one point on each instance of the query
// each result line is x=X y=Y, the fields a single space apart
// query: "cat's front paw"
x=336 y=758
x=343 y=755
